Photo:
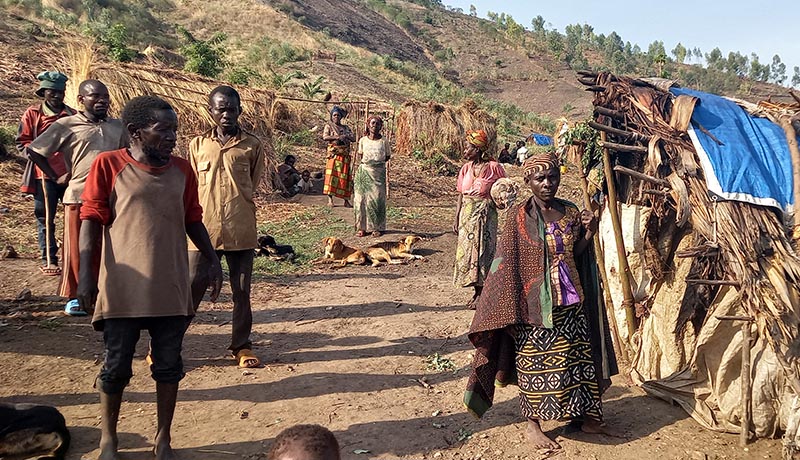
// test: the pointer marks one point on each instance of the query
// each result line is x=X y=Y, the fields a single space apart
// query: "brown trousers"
x=240 y=265
x=71 y=252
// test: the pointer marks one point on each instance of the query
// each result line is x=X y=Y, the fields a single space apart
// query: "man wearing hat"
x=46 y=192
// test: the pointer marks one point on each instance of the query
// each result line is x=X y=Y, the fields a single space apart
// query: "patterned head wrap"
x=478 y=138
x=540 y=162
x=372 y=117
x=336 y=109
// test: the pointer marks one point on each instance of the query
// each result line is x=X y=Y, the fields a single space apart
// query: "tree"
x=473 y=11
x=737 y=63
x=758 y=71
x=538 y=25
x=777 y=70
x=679 y=52
x=796 y=76
x=714 y=59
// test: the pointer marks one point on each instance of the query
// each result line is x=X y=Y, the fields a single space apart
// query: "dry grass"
x=436 y=128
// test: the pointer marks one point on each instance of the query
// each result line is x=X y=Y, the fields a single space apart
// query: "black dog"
x=268 y=247
x=32 y=431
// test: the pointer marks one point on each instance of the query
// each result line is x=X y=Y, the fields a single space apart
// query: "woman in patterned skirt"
x=541 y=323
x=338 y=180
x=476 y=215
x=369 y=185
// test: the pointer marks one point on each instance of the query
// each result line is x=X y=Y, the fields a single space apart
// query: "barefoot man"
x=229 y=163
x=141 y=203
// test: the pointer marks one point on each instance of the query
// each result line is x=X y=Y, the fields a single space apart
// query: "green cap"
x=51 y=80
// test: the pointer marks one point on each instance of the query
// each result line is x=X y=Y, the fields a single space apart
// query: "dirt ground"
x=343 y=348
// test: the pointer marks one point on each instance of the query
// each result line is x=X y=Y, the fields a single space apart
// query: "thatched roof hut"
x=439 y=129
x=697 y=260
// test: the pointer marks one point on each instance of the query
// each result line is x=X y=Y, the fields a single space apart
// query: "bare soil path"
x=345 y=348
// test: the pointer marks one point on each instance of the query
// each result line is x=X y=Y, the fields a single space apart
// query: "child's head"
x=306 y=175
x=305 y=442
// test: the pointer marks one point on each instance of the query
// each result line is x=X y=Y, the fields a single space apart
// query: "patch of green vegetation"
x=204 y=57
x=304 y=232
x=436 y=161
x=401 y=213
x=438 y=363
x=51 y=324
x=7 y=136
x=115 y=38
x=243 y=75
x=275 y=52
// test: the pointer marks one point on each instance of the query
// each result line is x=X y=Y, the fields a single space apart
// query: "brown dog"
x=393 y=252
x=337 y=252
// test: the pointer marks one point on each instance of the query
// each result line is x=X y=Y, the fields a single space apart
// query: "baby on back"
x=305 y=442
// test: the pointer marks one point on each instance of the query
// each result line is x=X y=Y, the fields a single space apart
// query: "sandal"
x=73 y=308
x=246 y=358
x=377 y=233
x=54 y=270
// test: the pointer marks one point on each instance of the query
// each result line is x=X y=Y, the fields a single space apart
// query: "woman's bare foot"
x=330 y=201
x=593 y=426
x=347 y=204
x=537 y=438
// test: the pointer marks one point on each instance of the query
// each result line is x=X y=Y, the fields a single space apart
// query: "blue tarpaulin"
x=752 y=164
x=541 y=139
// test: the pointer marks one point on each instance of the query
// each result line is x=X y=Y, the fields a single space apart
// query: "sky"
x=765 y=27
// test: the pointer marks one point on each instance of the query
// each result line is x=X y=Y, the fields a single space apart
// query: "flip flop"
x=73 y=308
x=246 y=358
x=50 y=271
x=377 y=233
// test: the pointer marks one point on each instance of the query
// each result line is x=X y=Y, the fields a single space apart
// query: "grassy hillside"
x=392 y=50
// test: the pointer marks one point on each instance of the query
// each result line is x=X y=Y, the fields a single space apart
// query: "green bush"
x=203 y=57
x=243 y=76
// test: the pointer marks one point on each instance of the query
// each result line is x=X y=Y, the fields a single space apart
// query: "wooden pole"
x=623 y=147
x=794 y=152
x=747 y=396
x=601 y=267
x=624 y=268
x=641 y=176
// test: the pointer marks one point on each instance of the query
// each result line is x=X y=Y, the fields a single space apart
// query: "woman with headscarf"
x=369 y=185
x=541 y=323
x=338 y=180
x=476 y=215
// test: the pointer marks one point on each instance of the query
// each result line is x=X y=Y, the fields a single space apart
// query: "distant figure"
x=369 y=197
x=289 y=176
x=46 y=192
x=305 y=442
x=338 y=174
x=306 y=183
x=505 y=155
x=80 y=138
x=522 y=152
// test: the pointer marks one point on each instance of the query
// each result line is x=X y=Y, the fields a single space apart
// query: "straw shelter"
x=435 y=128
x=709 y=315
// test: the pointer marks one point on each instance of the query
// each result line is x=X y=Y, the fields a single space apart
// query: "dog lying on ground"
x=393 y=252
x=32 y=431
x=337 y=252
x=268 y=247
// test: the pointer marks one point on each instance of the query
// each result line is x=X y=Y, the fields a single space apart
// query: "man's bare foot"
x=164 y=451
x=108 y=449
x=537 y=438
x=593 y=426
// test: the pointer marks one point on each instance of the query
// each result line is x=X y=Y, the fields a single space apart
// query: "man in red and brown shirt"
x=142 y=202
x=46 y=192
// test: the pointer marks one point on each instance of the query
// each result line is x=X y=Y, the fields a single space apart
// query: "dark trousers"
x=55 y=193
x=120 y=336
x=240 y=265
